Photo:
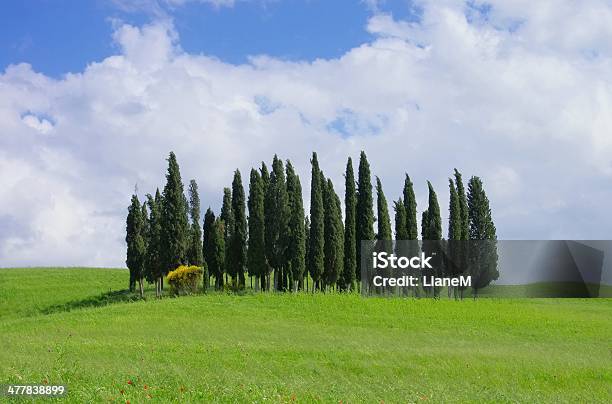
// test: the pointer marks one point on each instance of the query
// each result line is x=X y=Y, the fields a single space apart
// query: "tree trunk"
x=256 y=283
x=295 y=286
x=140 y=287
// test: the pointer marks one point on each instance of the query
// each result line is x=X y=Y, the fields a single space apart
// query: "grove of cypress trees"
x=317 y=221
x=276 y=222
x=136 y=243
x=296 y=247
x=256 y=254
x=175 y=224
x=237 y=252
x=364 y=220
x=334 y=236
x=194 y=253
x=483 y=252
x=347 y=279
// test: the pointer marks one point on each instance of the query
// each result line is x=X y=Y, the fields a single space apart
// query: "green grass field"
x=77 y=327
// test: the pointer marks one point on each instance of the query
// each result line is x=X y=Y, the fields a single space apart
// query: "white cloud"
x=510 y=95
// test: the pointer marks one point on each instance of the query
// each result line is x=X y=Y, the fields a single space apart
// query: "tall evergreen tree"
x=296 y=248
x=175 y=224
x=216 y=263
x=384 y=222
x=483 y=252
x=228 y=223
x=238 y=238
x=136 y=243
x=317 y=222
x=306 y=251
x=411 y=209
x=364 y=221
x=454 y=220
x=401 y=230
x=195 y=254
x=207 y=229
x=154 y=263
x=350 y=244
x=276 y=222
x=256 y=256
x=334 y=236
x=463 y=207
x=432 y=236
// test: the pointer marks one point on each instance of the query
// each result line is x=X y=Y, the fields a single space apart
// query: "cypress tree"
x=454 y=220
x=296 y=248
x=463 y=207
x=228 y=223
x=317 y=221
x=276 y=222
x=432 y=236
x=136 y=247
x=306 y=251
x=265 y=181
x=195 y=254
x=256 y=255
x=364 y=221
x=334 y=236
x=154 y=264
x=216 y=264
x=237 y=247
x=401 y=230
x=483 y=253
x=350 y=252
x=207 y=229
x=175 y=225
x=384 y=222
x=411 y=209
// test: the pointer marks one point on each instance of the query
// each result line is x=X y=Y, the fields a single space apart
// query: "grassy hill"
x=77 y=327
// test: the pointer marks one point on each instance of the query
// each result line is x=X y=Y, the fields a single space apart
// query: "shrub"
x=185 y=279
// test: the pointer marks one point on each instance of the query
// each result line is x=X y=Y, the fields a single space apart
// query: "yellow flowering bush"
x=185 y=279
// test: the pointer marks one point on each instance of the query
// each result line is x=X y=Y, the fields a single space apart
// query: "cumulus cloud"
x=499 y=91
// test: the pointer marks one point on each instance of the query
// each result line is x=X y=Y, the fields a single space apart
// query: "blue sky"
x=62 y=36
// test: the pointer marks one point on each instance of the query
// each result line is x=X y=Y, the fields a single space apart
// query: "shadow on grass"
x=104 y=299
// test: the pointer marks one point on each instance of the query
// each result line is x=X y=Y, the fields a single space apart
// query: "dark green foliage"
x=256 y=254
x=228 y=221
x=347 y=279
x=136 y=243
x=334 y=236
x=317 y=223
x=209 y=221
x=433 y=221
x=364 y=221
x=463 y=207
x=411 y=209
x=483 y=253
x=424 y=221
x=384 y=222
x=276 y=222
x=195 y=254
x=454 y=220
x=216 y=263
x=401 y=230
x=296 y=248
x=238 y=238
x=175 y=225
x=306 y=250
x=154 y=264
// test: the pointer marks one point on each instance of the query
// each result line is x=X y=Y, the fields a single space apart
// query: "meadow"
x=79 y=327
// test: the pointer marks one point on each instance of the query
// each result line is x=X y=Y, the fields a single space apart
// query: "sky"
x=94 y=95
